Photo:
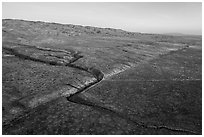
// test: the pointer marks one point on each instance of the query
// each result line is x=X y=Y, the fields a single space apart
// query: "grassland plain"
x=69 y=79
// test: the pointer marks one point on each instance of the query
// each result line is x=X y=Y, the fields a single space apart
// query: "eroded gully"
x=79 y=98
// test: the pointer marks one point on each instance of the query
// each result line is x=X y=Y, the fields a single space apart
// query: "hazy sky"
x=137 y=17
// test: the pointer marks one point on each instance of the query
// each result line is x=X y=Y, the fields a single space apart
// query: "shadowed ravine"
x=77 y=97
x=16 y=51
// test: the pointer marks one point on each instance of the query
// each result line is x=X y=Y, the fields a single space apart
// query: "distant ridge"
x=82 y=29
x=55 y=29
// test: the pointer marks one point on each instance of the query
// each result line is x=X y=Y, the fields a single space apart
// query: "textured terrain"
x=71 y=79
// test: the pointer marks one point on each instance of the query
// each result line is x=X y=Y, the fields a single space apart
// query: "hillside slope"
x=48 y=66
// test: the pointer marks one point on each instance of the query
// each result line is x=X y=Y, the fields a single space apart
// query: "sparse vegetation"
x=71 y=79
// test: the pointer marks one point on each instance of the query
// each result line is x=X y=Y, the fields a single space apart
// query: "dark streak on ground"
x=77 y=98
x=80 y=99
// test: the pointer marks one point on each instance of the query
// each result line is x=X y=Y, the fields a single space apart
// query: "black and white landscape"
x=77 y=79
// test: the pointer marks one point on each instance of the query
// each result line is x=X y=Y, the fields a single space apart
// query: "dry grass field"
x=71 y=79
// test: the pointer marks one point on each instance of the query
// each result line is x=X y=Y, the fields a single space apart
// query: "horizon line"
x=167 y=33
